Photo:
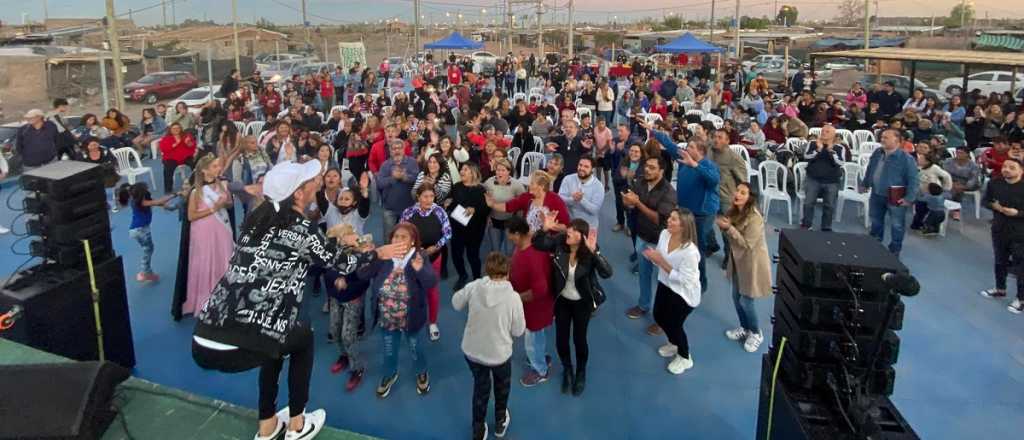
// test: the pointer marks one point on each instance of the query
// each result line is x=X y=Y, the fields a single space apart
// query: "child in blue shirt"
x=142 y=216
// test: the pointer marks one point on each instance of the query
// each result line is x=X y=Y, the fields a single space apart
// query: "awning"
x=856 y=43
x=1000 y=42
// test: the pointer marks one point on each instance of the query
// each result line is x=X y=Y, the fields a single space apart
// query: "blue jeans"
x=391 y=340
x=828 y=193
x=647 y=275
x=878 y=208
x=497 y=239
x=143 y=236
x=537 y=349
x=388 y=220
x=744 y=308
x=705 y=229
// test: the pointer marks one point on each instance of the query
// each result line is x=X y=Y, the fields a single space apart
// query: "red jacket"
x=177 y=151
x=271 y=103
x=531 y=270
x=454 y=75
x=379 y=154
x=551 y=201
x=326 y=88
x=480 y=139
x=993 y=160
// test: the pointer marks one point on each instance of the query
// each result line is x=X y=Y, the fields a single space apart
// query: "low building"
x=218 y=39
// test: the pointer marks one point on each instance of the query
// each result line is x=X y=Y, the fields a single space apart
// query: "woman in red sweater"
x=178 y=148
x=536 y=202
x=530 y=275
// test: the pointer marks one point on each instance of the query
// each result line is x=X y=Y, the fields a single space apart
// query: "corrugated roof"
x=933 y=55
x=1001 y=41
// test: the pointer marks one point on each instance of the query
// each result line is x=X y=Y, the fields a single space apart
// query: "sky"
x=149 y=12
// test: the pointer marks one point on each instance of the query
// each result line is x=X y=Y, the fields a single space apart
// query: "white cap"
x=35 y=113
x=284 y=178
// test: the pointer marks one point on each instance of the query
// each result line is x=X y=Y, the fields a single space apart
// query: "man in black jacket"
x=824 y=170
x=890 y=102
x=1005 y=197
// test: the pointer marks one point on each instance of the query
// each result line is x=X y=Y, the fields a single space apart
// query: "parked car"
x=487 y=61
x=988 y=82
x=843 y=64
x=266 y=61
x=749 y=64
x=902 y=85
x=158 y=85
x=197 y=97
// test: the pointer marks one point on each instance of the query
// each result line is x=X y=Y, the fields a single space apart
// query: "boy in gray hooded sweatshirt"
x=495 y=318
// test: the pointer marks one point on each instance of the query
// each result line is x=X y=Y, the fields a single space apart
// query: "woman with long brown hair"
x=679 y=291
x=749 y=266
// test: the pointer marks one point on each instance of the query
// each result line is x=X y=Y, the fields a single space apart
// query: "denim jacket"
x=898 y=169
x=705 y=176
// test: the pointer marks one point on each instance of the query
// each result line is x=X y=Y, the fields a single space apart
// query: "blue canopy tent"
x=688 y=44
x=454 y=41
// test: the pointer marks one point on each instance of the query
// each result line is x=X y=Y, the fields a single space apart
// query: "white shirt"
x=570 y=292
x=684 y=279
x=589 y=207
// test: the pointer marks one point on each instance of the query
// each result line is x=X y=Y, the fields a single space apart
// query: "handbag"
x=598 y=292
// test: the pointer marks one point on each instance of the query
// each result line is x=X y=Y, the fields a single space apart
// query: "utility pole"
x=540 y=31
x=174 y=14
x=711 y=23
x=46 y=12
x=508 y=12
x=739 y=53
x=115 y=50
x=571 y=26
x=305 y=22
x=416 y=25
x=234 y=32
x=867 y=31
x=163 y=8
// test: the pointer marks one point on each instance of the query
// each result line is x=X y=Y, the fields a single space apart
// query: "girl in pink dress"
x=210 y=242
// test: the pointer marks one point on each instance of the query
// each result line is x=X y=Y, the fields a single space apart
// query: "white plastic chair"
x=851 y=174
x=651 y=118
x=339 y=107
x=532 y=161
x=580 y=111
x=745 y=155
x=688 y=105
x=536 y=91
x=976 y=194
x=868 y=147
x=695 y=112
x=862 y=136
x=769 y=173
x=536 y=97
x=240 y=126
x=814 y=131
x=513 y=154
x=518 y=96
x=950 y=205
x=154 y=148
x=715 y=120
x=848 y=138
x=797 y=145
x=799 y=174
x=129 y=165
x=538 y=143
x=692 y=127
x=254 y=128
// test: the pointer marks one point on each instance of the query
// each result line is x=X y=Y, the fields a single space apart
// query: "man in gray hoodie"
x=495 y=318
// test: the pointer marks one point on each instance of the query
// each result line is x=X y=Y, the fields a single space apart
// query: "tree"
x=754 y=22
x=787 y=15
x=850 y=12
x=961 y=14
x=607 y=39
x=263 y=23
x=672 y=22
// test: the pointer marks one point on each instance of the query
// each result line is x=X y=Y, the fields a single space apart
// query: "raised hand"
x=723 y=222
x=591 y=241
x=550 y=220
x=340 y=283
x=389 y=251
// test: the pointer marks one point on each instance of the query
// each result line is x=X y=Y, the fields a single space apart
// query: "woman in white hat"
x=250 y=320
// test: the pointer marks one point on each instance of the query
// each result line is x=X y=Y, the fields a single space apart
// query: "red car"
x=158 y=85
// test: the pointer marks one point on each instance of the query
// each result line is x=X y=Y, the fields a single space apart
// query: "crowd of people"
x=284 y=177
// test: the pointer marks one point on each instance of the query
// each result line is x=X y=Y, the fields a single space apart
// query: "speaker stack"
x=838 y=307
x=66 y=202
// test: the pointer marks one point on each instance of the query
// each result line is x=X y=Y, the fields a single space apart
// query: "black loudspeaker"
x=63 y=179
x=71 y=400
x=830 y=308
x=801 y=415
x=57 y=311
x=819 y=259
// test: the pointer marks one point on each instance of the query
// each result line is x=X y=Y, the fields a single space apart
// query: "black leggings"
x=299 y=346
x=1009 y=258
x=572 y=316
x=467 y=242
x=169 y=167
x=482 y=377
x=670 y=312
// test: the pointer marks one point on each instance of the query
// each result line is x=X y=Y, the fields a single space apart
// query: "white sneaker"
x=1016 y=307
x=435 y=333
x=502 y=429
x=736 y=334
x=679 y=365
x=4 y=230
x=277 y=432
x=753 y=342
x=312 y=423
x=668 y=350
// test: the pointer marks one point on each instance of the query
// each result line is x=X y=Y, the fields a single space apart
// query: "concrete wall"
x=23 y=80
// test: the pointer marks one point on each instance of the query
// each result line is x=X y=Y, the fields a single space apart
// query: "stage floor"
x=960 y=372
x=153 y=411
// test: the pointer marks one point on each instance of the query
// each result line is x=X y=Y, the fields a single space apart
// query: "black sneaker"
x=385 y=385
x=501 y=426
x=422 y=383
x=993 y=293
